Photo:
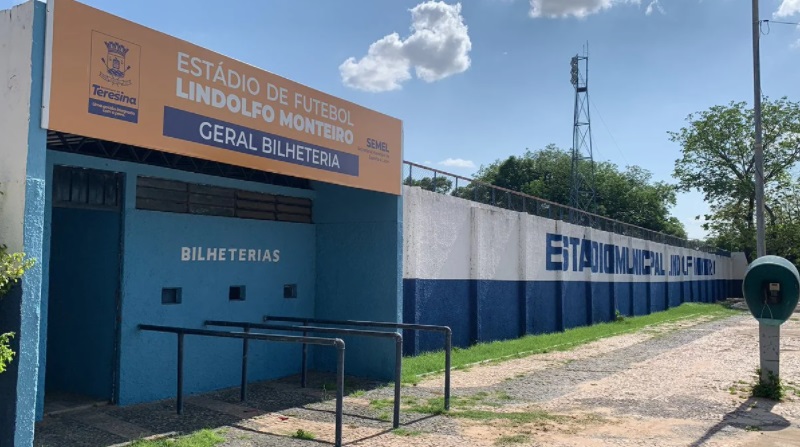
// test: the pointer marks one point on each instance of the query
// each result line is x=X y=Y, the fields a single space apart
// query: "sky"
x=480 y=80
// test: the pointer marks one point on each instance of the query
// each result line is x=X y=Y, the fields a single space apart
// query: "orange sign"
x=115 y=80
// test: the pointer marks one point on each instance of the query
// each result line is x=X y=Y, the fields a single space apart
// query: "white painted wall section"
x=447 y=237
x=16 y=41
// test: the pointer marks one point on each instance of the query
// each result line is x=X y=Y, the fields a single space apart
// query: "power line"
x=614 y=140
x=782 y=23
x=769 y=22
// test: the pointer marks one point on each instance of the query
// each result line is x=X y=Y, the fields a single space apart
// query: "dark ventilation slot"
x=236 y=293
x=290 y=291
x=172 y=196
x=171 y=295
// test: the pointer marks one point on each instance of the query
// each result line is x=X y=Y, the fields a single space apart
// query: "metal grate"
x=77 y=144
x=86 y=188
x=172 y=196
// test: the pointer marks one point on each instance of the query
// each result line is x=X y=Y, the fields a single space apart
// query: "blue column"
x=20 y=310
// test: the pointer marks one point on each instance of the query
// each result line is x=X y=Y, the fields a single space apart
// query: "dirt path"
x=681 y=384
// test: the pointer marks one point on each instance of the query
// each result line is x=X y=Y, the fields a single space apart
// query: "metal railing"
x=448 y=338
x=442 y=182
x=334 y=342
x=398 y=359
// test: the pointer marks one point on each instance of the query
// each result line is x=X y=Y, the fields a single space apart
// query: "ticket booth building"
x=157 y=182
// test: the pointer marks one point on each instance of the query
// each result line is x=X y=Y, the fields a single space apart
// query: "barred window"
x=172 y=196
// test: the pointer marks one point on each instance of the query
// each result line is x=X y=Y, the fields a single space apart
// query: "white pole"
x=768 y=336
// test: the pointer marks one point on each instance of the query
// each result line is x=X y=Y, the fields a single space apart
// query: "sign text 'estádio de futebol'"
x=115 y=80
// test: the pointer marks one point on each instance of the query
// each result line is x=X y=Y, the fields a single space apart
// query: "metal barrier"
x=321 y=330
x=442 y=182
x=335 y=342
x=448 y=338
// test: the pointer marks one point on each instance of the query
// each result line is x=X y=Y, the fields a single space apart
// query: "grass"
x=414 y=367
x=512 y=439
x=202 y=438
x=517 y=417
x=302 y=434
x=771 y=389
x=406 y=432
x=358 y=393
x=381 y=404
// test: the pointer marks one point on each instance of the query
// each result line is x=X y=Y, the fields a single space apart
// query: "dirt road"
x=680 y=384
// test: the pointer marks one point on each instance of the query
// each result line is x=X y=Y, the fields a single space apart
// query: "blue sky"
x=492 y=78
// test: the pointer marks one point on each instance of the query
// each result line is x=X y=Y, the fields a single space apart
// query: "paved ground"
x=682 y=384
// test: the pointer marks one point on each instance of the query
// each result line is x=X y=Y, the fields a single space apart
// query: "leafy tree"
x=12 y=267
x=442 y=185
x=718 y=160
x=629 y=195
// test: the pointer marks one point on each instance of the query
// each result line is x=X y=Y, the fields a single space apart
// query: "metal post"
x=339 y=393
x=448 y=346
x=398 y=377
x=180 y=372
x=304 y=361
x=759 y=149
x=768 y=336
x=245 y=348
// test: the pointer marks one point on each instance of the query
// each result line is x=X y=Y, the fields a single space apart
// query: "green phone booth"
x=771 y=288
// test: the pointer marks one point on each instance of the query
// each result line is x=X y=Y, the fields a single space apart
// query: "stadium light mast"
x=582 y=189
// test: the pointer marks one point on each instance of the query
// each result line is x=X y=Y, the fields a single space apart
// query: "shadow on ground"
x=753 y=415
x=282 y=399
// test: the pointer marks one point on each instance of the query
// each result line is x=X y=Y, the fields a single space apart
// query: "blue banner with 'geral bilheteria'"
x=196 y=128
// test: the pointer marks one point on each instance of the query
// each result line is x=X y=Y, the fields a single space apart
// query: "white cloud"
x=384 y=67
x=796 y=45
x=458 y=163
x=438 y=47
x=655 y=5
x=574 y=8
x=788 y=8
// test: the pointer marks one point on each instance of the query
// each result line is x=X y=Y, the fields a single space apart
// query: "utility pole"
x=769 y=337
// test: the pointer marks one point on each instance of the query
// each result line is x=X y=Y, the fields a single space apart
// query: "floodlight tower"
x=582 y=190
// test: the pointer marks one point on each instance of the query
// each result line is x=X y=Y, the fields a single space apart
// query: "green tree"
x=439 y=184
x=628 y=195
x=12 y=267
x=717 y=158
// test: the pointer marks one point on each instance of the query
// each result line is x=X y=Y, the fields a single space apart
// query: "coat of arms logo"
x=115 y=64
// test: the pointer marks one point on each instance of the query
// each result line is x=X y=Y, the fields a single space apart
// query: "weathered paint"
x=489 y=273
x=22 y=174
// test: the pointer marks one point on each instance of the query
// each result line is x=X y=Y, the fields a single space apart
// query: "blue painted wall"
x=152 y=244
x=83 y=302
x=420 y=298
x=20 y=310
x=153 y=261
x=544 y=306
x=359 y=271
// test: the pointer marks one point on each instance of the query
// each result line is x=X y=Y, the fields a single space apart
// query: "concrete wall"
x=359 y=242
x=16 y=35
x=152 y=243
x=494 y=274
x=22 y=173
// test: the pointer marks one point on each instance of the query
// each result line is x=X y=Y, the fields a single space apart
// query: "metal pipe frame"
x=398 y=338
x=338 y=343
x=448 y=337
